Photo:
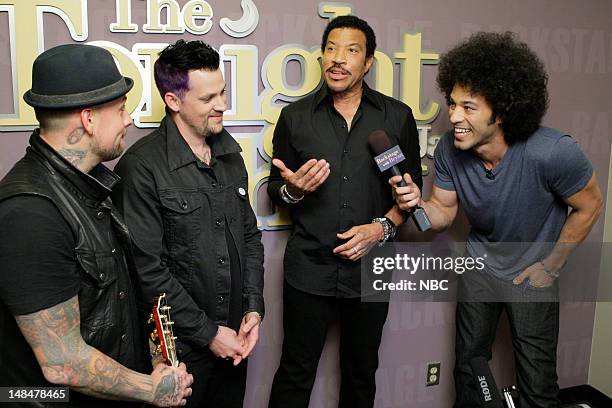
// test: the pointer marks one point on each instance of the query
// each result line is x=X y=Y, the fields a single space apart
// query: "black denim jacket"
x=177 y=210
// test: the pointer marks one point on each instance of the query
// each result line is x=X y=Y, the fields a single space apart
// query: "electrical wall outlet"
x=433 y=373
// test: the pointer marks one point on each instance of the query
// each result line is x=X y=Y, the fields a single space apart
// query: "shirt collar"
x=368 y=94
x=179 y=153
x=95 y=185
x=373 y=97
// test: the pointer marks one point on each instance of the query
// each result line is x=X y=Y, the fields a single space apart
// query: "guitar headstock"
x=163 y=335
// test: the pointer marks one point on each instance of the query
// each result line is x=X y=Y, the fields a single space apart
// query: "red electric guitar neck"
x=162 y=335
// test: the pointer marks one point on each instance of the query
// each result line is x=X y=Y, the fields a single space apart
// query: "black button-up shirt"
x=355 y=192
x=195 y=234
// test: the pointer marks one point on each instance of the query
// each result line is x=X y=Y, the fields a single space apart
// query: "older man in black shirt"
x=341 y=206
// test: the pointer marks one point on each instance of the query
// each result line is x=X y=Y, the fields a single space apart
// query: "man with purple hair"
x=184 y=197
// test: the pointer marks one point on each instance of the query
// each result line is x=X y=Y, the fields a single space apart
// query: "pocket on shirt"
x=181 y=212
x=96 y=303
x=180 y=202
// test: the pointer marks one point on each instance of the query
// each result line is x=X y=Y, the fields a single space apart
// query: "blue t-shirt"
x=521 y=200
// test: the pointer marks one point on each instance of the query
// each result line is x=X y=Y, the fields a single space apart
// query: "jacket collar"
x=179 y=153
x=369 y=95
x=95 y=185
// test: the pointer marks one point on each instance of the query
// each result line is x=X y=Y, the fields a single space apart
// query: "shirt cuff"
x=253 y=303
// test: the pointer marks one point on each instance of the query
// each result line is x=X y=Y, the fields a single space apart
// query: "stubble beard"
x=209 y=130
x=109 y=154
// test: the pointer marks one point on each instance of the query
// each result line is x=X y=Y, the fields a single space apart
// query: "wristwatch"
x=389 y=229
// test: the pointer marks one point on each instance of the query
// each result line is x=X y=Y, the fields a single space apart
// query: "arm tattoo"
x=74 y=156
x=64 y=357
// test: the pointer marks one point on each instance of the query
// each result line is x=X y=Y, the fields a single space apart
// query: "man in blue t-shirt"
x=515 y=181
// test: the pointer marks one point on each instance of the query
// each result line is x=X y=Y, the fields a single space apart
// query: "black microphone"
x=489 y=174
x=485 y=383
x=387 y=158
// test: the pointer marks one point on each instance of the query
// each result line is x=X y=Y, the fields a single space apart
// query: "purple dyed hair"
x=172 y=68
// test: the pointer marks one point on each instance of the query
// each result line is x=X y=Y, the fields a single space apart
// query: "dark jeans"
x=306 y=319
x=216 y=382
x=535 y=329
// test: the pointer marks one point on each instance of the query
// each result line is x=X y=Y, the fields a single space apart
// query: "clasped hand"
x=230 y=345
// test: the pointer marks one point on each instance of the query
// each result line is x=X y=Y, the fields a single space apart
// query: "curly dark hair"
x=171 y=70
x=352 y=22
x=503 y=70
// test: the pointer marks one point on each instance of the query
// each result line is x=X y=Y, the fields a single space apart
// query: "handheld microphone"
x=487 y=388
x=387 y=158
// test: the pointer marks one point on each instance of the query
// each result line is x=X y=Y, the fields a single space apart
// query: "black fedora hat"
x=75 y=76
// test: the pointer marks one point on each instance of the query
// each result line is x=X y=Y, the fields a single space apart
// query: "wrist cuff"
x=288 y=198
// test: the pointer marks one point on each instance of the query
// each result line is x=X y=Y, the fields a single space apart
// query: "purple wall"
x=574 y=39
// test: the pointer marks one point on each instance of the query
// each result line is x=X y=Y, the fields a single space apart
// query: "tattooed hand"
x=64 y=357
x=171 y=385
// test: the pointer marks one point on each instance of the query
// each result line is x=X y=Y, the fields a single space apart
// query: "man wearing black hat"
x=67 y=310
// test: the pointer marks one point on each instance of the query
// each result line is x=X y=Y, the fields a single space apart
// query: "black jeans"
x=535 y=329
x=216 y=382
x=306 y=319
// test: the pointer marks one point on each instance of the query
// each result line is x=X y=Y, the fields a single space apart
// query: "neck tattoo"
x=74 y=156
x=75 y=136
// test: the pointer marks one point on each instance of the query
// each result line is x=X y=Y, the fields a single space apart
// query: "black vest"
x=110 y=318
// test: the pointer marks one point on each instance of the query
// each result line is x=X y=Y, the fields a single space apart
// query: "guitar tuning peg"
x=170 y=323
x=151 y=320
x=165 y=308
x=174 y=337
